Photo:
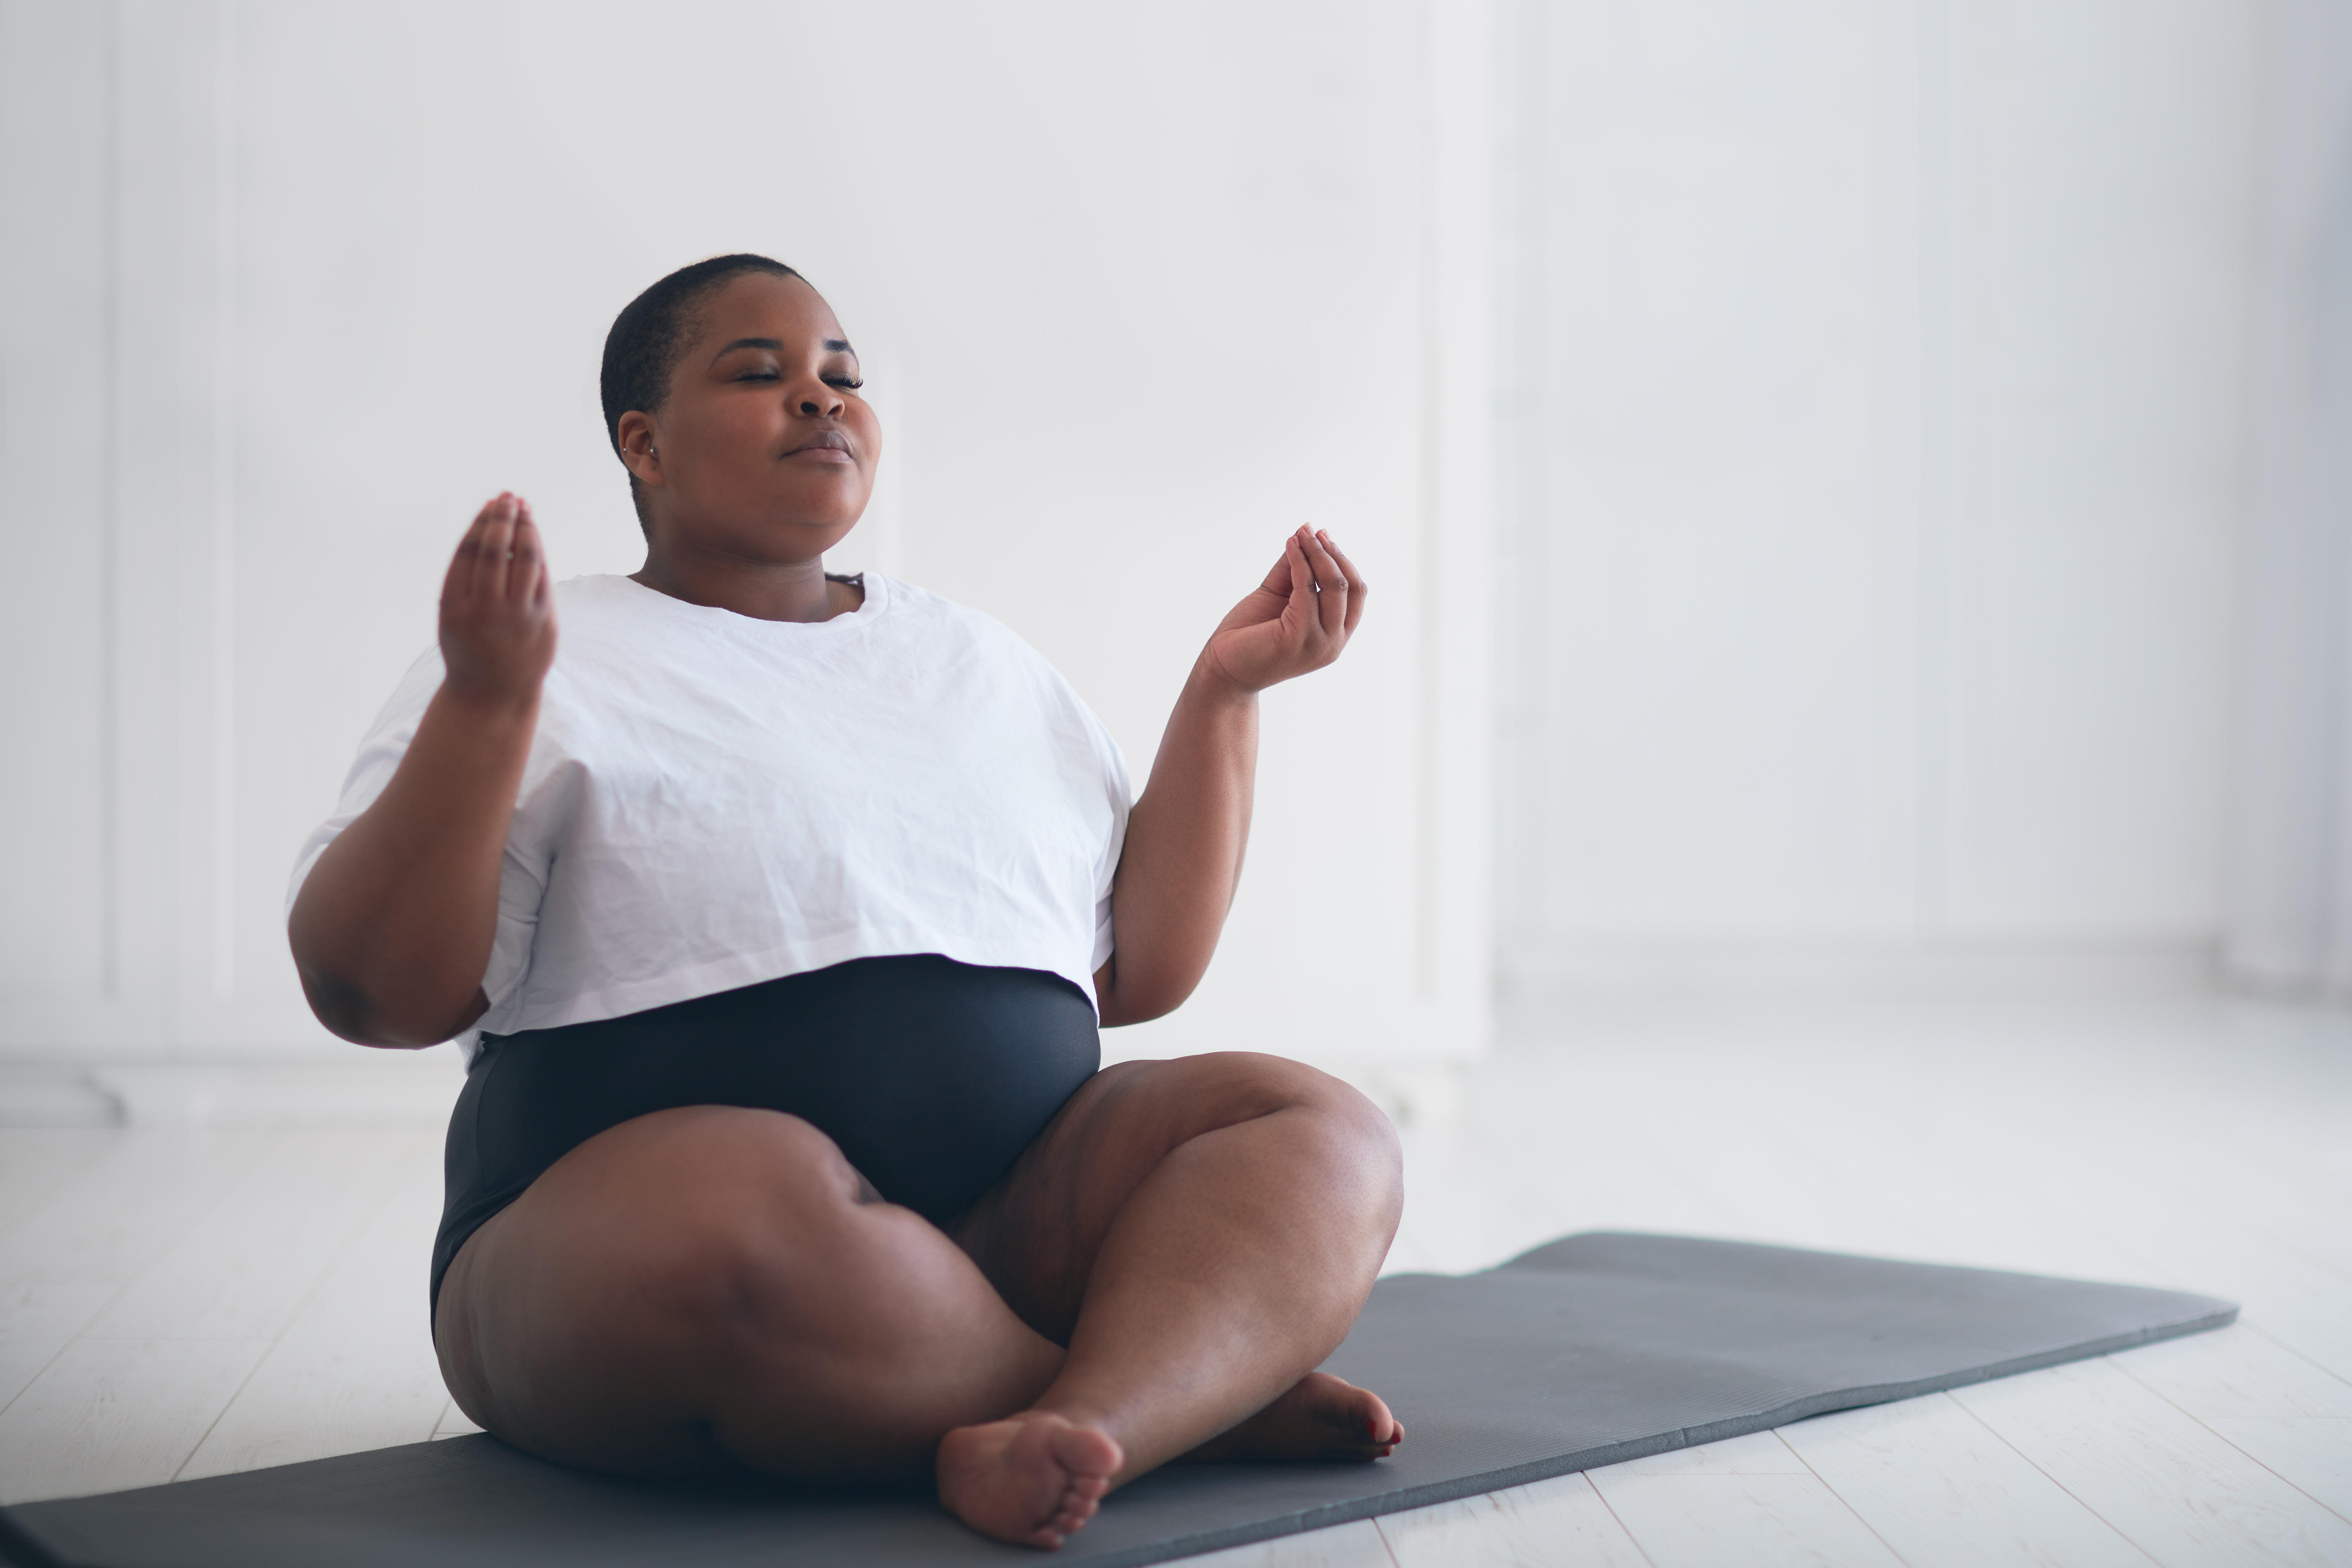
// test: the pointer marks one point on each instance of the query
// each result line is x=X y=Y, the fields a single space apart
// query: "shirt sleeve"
x=522 y=878
x=386 y=743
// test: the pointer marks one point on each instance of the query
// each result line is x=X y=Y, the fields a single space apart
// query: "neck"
x=763 y=590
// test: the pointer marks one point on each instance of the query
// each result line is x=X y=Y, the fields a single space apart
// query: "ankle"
x=1076 y=1415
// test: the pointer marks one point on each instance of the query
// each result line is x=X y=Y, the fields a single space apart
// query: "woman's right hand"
x=497 y=613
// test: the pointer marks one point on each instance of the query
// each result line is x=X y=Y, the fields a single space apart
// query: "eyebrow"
x=832 y=345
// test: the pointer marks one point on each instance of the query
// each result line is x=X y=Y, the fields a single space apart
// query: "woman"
x=777 y=915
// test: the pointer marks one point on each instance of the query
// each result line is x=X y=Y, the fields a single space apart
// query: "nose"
x=816 y=399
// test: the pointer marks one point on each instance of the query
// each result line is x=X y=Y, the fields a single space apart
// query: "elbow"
x=343 y=1008
x=362 y=997
x=1129 y=1003
x=338 y=1003
x=1151 y=985
x=349 y=1013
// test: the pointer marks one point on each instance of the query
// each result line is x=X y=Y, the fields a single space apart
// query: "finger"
x=1331 y=605
x=493 y=541
x=459 y=580
x=1277 y=576
x=1329 y=575
x=530 y=562
x=1302 y=582
x=1358 y=589
x=542 y=585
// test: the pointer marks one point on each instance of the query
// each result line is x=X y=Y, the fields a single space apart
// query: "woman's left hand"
x=1297 y=620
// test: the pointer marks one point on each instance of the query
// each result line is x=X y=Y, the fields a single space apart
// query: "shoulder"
x=1001 y=651
x=951 y=634
x=920 y=613
x=605 y=623
x=600 y=599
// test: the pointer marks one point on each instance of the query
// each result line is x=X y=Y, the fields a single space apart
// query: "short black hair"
x=648 y=335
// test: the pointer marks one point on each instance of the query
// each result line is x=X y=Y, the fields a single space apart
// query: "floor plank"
x=1758 y=1521
x=1943 y=1491
x=1356 y=1544
x=2236 y=1372
x=243 y=1269
x=1464 y=1209
x=38 y=1320
x=454 y=1422
x=97 y=1233
x=2311 y=1454
x=2172 y=1486
x=35 y=1162
x=110 y=1413
x=356 y=1369
x=2200 y=1248
x=1557 y=1523
x=140 y=1193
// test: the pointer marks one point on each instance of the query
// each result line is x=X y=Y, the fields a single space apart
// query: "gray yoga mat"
x=1591 y=1350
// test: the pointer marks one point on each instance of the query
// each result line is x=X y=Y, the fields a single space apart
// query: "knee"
x=1364 y=1137
x=749 y=1202
x=776 y=1247
x=1342 y=1126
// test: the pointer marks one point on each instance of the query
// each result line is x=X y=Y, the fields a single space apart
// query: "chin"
x=822 y=500
x=800 y=535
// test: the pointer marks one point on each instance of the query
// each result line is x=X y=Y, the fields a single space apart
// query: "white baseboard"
x=41 y=1095
x=1730 y=970
x=373 y=1088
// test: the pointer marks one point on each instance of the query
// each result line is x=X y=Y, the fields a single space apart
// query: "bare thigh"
x=717 y=1285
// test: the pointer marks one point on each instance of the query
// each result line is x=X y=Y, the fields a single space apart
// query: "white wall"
x=2290 y=906
x=286 y=290
x=1874 y=409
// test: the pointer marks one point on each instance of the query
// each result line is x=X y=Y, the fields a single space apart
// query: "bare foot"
x=1322 y=1417
x=1030 y=1478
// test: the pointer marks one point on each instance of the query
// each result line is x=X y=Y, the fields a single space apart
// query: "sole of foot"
x=1031 y=1479
x=1321 y=1418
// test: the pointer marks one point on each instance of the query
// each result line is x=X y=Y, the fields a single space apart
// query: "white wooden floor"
x=182 y=1303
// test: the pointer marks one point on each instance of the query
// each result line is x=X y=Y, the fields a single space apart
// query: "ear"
x=641 y=447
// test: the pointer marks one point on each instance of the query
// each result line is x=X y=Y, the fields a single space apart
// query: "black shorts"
x=932 y=1076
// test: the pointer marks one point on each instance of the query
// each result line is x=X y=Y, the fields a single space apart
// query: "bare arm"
x=1182 y=861
x=393 y=928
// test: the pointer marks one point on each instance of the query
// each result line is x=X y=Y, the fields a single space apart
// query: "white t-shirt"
x=713 y=800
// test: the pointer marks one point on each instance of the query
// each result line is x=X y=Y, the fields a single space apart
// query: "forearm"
x=393 y=928
x=1182 y=860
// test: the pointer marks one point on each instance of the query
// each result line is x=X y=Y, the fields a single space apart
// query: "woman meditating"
x=777 y=912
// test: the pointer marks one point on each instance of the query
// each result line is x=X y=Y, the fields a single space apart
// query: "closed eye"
x=766 y=372
x=847 y=384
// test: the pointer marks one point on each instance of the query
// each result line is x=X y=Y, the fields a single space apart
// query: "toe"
x=1087 y=1453
x=1379 y=1423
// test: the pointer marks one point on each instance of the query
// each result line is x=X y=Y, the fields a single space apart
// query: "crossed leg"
x=1159 y=1274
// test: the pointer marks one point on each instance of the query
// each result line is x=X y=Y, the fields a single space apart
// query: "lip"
x=825 y=446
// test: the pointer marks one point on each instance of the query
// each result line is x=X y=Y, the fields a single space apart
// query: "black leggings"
x=932 y=1076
